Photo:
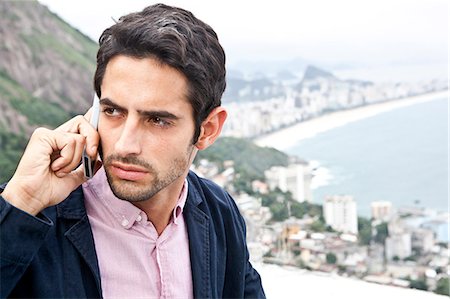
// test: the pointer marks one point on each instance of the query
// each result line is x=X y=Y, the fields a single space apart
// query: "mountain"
x=271 y=66
x=249 y=159
x=313 y=72
x=256 y=89
x=46 y=71
x=46 y=66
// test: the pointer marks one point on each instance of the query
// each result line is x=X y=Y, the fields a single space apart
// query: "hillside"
x=46 y=71
x=249 y=159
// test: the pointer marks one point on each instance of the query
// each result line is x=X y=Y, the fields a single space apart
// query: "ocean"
x=399 y=156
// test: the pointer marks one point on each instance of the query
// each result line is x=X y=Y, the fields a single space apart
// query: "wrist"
x=22 y=200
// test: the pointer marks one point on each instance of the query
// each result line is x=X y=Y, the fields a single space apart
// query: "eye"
x=111 y=111
x=160 y=122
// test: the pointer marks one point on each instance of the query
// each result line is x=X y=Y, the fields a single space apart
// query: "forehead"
x=144 y=81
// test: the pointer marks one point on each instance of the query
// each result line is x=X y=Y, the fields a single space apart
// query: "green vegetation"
x=38 y=42
x=443 y=286
x=74 y=47
x=87 y=44
x=331 y=258
x=420 y=283
x=281 y=202
x=11 y=149
x=364 y=231
x=381 y=232
x=250 y=160
x=38 y=111
x=10 y=88
x=55 y=39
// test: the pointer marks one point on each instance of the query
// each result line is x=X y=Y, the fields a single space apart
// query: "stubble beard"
x=137 y=192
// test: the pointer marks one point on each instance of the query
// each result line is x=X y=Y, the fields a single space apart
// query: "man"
x=144 y=226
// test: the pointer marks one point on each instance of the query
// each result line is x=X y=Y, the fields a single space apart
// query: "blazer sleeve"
x=21 y=237
x=253 y=286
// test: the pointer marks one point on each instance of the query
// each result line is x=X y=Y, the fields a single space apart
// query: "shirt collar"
x=180 y=203
x=123 y=211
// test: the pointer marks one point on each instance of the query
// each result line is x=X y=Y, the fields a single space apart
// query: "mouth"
x=128 y=172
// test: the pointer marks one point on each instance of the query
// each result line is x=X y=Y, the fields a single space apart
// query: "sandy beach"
x=289 y=136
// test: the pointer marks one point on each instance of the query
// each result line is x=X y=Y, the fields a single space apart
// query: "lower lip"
x=128 y=175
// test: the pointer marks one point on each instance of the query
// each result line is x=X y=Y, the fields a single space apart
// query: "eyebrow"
x=145 y=113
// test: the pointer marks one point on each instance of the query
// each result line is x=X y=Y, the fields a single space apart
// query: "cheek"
x=106 y=140
x=168 y=149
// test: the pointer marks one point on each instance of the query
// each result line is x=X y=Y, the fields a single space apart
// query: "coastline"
x=288 y=137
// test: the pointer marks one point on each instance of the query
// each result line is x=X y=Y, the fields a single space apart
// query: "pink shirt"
x=134 y=261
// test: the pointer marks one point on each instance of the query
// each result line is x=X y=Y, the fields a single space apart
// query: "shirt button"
x=139 y=218
x=124 y=222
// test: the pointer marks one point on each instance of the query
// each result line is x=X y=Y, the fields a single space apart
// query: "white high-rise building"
x=296 y=178
x=340 y=213
x=381 y=210
x=398 y=245
x=423 y=240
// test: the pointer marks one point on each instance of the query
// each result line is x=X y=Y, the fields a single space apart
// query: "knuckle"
x=71 y=142
x=40 y=131
x=79 y=118
x=80 y=138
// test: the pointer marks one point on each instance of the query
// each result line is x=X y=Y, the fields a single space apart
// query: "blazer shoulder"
x=216 y=201
x=208 y=190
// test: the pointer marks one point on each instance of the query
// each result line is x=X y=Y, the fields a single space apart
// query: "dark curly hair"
x=174 y=37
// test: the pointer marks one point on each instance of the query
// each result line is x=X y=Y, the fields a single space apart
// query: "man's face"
x=146 y=127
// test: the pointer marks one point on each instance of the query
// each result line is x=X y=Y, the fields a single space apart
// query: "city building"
x=340 y=213
x=381 y=210
x=296 y=178
x=422 y=240
x=398 y=246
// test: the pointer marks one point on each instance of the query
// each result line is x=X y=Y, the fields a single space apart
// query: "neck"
x=160 y=207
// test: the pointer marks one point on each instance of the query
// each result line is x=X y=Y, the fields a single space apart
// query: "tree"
x=364 y=231
x=318 y=226
x=331 y=258
x=299 y=209
x=419 y=284
x=443 y=286
x=279 y=211
x=381 y=232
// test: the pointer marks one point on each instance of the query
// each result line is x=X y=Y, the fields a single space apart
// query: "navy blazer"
x=53 y=255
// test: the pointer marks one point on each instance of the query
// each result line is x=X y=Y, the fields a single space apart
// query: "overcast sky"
x=343 y=31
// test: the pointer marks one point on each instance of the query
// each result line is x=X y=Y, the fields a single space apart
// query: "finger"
x=88 y=114
x=71 y=126
x=71 y=146
x=79 y=124
x=92 y=138
x=62 y=158
x=76 y=157
x=75 y=178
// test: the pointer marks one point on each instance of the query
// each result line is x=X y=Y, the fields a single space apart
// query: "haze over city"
x=341 y=34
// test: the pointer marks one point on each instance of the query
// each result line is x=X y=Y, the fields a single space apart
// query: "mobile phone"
x=88 y=163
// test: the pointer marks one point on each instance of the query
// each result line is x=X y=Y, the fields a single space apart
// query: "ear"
x=211 y=128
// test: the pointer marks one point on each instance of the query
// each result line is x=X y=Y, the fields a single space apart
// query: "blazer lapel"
x=198 y=228
x=78 y=232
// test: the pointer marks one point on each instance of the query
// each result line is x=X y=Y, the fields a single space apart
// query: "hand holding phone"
x=50 y=166
x=88 y=163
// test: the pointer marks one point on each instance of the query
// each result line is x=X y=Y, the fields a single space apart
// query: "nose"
x=129 y=142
